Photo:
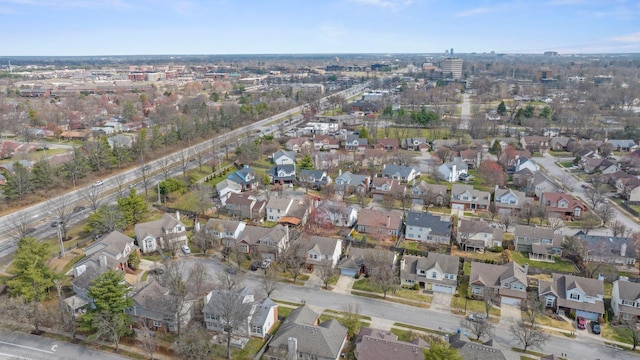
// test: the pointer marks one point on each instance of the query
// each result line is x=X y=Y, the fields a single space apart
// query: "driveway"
x=510 y=314
x=344 y=284
x=441 y=301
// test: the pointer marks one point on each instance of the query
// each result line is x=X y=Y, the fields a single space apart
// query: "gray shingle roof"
x=427 y=220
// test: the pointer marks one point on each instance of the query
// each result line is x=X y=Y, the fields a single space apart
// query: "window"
x=576 y=212
x=505 y=285
x=157 y=323
x=574 y=296
x=550 y=301
x=257 y=329
x=434 y=275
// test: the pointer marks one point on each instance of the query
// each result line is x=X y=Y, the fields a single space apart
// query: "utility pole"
x=61 y=243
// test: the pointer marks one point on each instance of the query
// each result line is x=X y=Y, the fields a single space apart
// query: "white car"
x=98 y=183
x=185 y=249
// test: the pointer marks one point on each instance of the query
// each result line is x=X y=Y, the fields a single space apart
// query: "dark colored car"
x=582 y=323
x=595 y=327
x=29 y=231
x=157 y=271
x=256 y=265
x=231 y=270
x=78 y=209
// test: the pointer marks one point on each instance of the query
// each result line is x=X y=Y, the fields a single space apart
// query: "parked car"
x=98 y=183
x=477 y=317
x=156 y=271
x=55 y=223
x=28 y=231
x=78 y=209
x=231 y=270
x=185 y=249
x=256 y=265
x=582 y=323
x=265 y=263
x=595 y=327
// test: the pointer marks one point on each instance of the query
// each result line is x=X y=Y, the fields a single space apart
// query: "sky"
x=165 y=27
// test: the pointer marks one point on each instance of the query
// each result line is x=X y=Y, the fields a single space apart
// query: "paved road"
x=574 y=186
x=465 y=111
x=14 y=345
x=39 y=214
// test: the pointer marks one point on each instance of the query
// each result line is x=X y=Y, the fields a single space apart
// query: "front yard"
x=472 y=306
x=415 y=295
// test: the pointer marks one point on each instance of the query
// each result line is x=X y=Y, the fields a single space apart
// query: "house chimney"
x=293 y=348
x=178 y=215
x=103 y=261
x=600 y=277
x=453 y=172
x=388 y=221
x=526 y=268
x=402 y=261
x=623 y=249
x=339 y=172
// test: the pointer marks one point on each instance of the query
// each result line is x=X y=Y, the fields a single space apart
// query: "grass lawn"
x=467 y=268
x=284 y=311
x=566 y=164
x=548 y=321
x=559 y=265
x=366 y=285
x=616 y=333
x=418 y=328
x=473 y=306
x=403 y=335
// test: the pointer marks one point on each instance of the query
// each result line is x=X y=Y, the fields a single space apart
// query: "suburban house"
x=451 y=170
x=284 y=157
x=525 y=163
x=165 y=233
x=429 y=194
x=222 y=228
x=401 y=173
x=261 y=318
x=314 y=178
x=347 y=183
x=355 y=143
x=477 y=235
x=325 y=142
x=560 y=143
x=562 y=205
x=414 y=144
x=386 y=144
x=436 y=272
x=269 y=243
x=278 y=208
x=380 y=222
x=539 y=185
x=375 y=344
x=336 y=213
x=622 y=145
x=322 y=251
x=282 y=174
x=245 y=206
x=299 y=144
x=384 y=187
x=355 y=260
x=625 y=300
x=301 y=333
x=245 y=177
x=508 y=201
x=629 y=188
x=152 y=308
x=373 y=157
x=465 y=197
x=508 y=281
x=541 y=243
x=609 y=249
x=110 y=253
x=476 y=351
x=225 y=188
x=599 y=165
x=426 y=227
x=577 y=295
x=535 y=143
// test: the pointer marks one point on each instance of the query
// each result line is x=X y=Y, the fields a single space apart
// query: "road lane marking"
x=26 y=347
x=11 y=356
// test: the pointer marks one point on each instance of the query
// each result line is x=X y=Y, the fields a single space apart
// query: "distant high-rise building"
x=550 y=53
x=451 y=52
x=452 y=67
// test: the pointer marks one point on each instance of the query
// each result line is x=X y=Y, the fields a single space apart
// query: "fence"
x=629 y=209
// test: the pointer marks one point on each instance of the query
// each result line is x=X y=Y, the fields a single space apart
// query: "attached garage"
x=443 y=289
x=587 y=315
x=509 y=301
x=457 y=206
x=348 y=272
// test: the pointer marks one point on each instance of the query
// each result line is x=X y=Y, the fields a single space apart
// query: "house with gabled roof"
x=507 y=281
x=401 y=173
x=387 y=144
x=381 y=187
x=269 y=243
x=381 y=222
x=164 y=233
x=541 y=243
x=475 y=351
x=375 y=344
x=577 y=295
x=246 y=177
x=436 y=272
x=299 y=144
x=563 y=205
x=609 y=249
x=355 y=143
x=625 y=300
x=347 y=183
x=355 y=260
x=245 y=206
x=451 y=170
x=475 y=234
x=223 y=228
x=282 y=174
x=525 y=163
x=284 y=157
x=423 y=193
x=225 y=188
x=322 y=251
x=465 y=197
x=509 y=201
x=429 y=228
x=539 y=184
x=262 y=316
x=622 y=144
x=152 y=308
x=301 y=333
x=314 y=178
x=337 y=213
x=535 y=143
x=414 y=144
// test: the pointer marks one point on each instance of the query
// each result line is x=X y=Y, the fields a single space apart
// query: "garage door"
x=443 y=289
x=457 y=206
x=348 y=272
x=587 y=315
x=510 y=301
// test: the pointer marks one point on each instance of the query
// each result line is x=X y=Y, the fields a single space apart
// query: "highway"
x=40 y=215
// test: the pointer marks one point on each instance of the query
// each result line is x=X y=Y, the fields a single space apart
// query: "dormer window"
x=574 y=296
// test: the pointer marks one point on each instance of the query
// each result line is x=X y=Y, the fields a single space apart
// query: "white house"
x=574 y=294
x=277 y=208
x=451 y=170
x=524 y=163
x=625 y=300
x=436 y=272
x=323 y=251
x=426 y=227
x=284 y=157
x=220 y=228
x=225 y=188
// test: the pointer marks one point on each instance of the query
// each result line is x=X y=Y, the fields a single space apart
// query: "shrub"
x=416 y=287
x=497 y=249
x=357 y=276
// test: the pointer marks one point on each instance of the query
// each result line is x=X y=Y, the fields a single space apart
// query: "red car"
x=582 y=323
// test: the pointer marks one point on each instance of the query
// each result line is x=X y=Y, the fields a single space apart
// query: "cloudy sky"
x=129 y=27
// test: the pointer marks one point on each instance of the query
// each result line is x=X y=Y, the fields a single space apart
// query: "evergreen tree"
x=76 y=168
x=132 y=206
x=502 y=109
x=306 y=163
x=42 y=175
x=19 y=182
x=106 y=219
x=99 y=154
x=33 y=277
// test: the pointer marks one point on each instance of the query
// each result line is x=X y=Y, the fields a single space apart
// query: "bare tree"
x=294 y=256
x=22 y=225
x=606 y=212
x=61 y=210
x=633 y=333
x=595 y=195
x=203 y=241
x=528 y=335
x=195 y=343
x=507 y=220
x=493 y=210
x=91 y=195
x=618 y=228
x=183 y=160
x=479 y=328
x=232 y=311
x=120 y=188
x=532 y=308
x=270 y=281
x=528 y=212
x=326 y=272
x=166 y=163
x=147 y=340
x=489 y=297
x=199 y=277
x=144 y=173
x=173 y=281
x=382 y=271
x=589 y=222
